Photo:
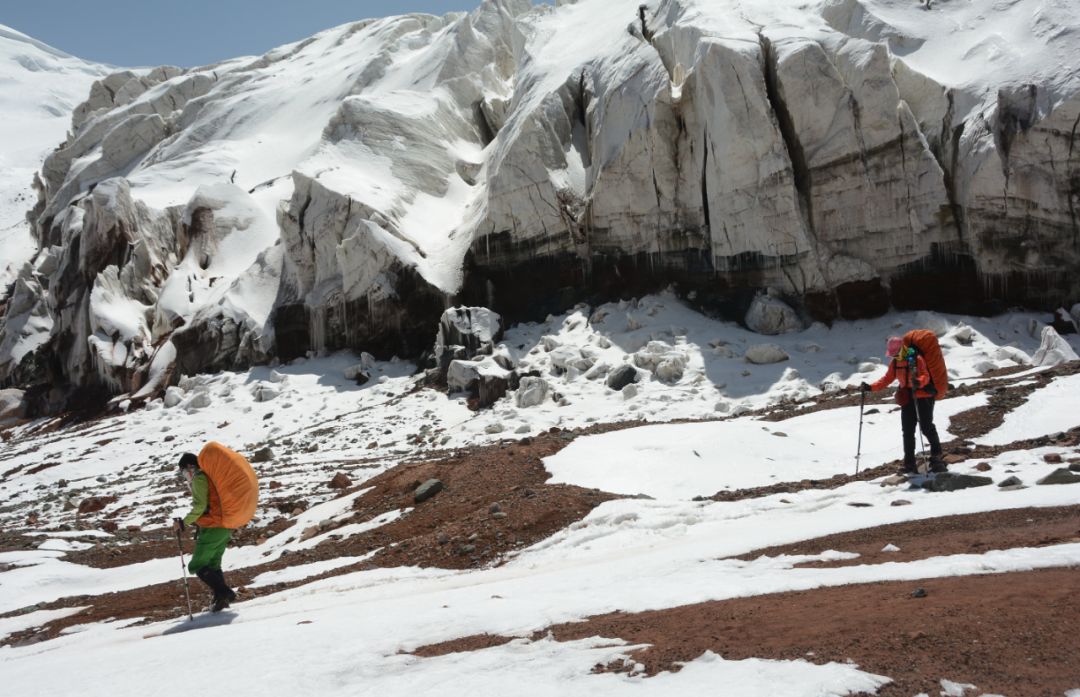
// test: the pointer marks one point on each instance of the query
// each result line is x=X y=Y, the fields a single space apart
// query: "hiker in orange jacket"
x=909 y=369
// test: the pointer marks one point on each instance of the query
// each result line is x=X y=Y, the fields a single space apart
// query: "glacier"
x=849 y=156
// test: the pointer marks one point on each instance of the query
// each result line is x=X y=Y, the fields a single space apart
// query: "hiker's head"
x=188 y=464
x=893 y=347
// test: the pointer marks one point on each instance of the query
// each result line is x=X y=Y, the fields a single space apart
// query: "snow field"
x=629 y=554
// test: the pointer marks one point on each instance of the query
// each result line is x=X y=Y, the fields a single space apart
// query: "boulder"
x=951 y=481
x=93 y=504
x=770 y=315
x=12 y=407
x=764 y=354
x=340 y=481
x=465 y=332
x=1062 y=475
x=1053 y=350
x=622 y=376
x=264 y=454
x=264 y=391
x=531 y=392
x=426 y=490
x=173 y=396
x=485 y=380
x=1010 y=481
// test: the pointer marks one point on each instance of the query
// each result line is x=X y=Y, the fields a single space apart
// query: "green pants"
x=209 y=549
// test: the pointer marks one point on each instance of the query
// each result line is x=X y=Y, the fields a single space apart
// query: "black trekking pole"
x=183 y=571
x=858 y=450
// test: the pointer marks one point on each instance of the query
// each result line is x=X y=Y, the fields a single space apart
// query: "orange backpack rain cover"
x=925 y=341
x=234 y=488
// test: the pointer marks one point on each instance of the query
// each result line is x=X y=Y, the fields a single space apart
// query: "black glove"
x=195 y=531
x=864 y=387
x=178 y=524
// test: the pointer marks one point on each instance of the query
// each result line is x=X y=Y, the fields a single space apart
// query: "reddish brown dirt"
x=1009 y=633
x=960 y=534
x=435 y=534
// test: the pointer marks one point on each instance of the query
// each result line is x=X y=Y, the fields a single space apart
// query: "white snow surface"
x=39 y=88
x=345 y=634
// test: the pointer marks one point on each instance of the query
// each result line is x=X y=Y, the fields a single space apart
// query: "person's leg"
x=209 y=549
x=926 y=423
x=907 y=423
x=206 y=560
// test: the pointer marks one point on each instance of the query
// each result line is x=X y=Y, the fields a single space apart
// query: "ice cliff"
x=849 y=155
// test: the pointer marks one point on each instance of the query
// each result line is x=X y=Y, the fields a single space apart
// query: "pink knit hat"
x=892 y=348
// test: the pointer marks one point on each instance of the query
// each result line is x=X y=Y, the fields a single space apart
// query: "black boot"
x=223 y=595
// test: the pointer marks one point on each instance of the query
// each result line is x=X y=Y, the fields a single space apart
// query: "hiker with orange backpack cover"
x=907 y=367
x=224 y=491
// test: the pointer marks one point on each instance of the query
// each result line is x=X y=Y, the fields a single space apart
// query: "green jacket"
x=200 y=495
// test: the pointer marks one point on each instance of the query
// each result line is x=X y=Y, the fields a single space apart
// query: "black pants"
x=926 y=423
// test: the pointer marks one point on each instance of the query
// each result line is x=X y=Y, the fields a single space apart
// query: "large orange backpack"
x=234 y=488
x=926 y=343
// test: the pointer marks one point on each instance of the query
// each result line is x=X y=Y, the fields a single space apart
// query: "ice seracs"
x=850 y=155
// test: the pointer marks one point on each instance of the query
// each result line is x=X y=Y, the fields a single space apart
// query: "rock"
x=900 y=502
x=953 y=458
x=496 y=427
x=763 y=354
x=340 y=481
x=264 y=391
x=264 y=454
x=770 y=315
x=494 y=508
x=1074 y=467
x=426 y=490
x=918 y=593
x=484 y=379
x=664 y=361
x=498 y=515
x=93 y=504
x=357 y=373
x=531 y=392
x=1061 y=475
x=1012 y=481
x=12 y=407
x=173 y=396
x=464 y=333
x=621 y=377
x=983 y=467
x=630 y=391
x=200 y=400
x=1052 y=458
x=951 y=481
x=1063 y=322
x=1053 y=350
x=893 y=479
x=963 y=334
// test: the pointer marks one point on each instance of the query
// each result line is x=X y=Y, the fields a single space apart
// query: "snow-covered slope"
x=39 y=88
x=351 y=634
x=852 y=155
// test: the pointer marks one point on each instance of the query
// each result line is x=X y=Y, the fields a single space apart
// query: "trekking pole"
x=183 y=572
x=858 y=450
